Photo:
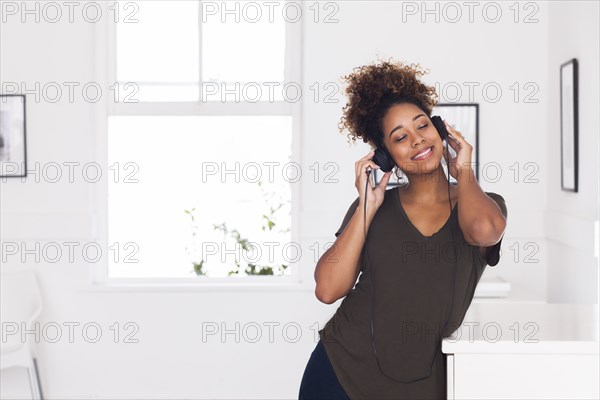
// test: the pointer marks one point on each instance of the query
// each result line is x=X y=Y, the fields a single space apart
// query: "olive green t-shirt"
x=413 y=278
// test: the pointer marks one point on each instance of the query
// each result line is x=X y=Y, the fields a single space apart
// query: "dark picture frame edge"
x=24 y=166
x=575 y=106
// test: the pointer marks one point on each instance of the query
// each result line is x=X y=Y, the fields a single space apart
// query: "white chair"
x=20 y=306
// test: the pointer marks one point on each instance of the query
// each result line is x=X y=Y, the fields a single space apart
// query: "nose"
x=418 y=140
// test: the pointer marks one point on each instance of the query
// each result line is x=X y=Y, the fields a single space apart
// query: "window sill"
x=179 y=286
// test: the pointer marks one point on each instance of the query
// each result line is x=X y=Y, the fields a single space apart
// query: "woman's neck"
x=427 y=189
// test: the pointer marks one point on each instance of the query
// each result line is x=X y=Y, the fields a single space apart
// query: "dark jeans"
x=319 y=380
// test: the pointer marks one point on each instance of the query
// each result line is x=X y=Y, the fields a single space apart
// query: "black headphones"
x=385 y=162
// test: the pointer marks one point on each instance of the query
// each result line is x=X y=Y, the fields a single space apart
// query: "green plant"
x=197 y=265
x=269 y=219
x=269 y=223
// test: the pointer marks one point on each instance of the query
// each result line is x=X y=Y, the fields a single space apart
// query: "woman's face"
x=408 y=132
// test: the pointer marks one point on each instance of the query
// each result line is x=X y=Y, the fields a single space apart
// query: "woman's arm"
x=480 y=218
x=338 y=267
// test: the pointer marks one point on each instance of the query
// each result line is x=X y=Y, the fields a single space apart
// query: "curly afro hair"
x=373 y=89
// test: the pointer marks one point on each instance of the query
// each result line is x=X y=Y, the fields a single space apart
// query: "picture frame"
x=569 y=125
x=13 y=132
x=465 y=118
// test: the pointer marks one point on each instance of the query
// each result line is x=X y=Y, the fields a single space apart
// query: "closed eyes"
x=420 y=127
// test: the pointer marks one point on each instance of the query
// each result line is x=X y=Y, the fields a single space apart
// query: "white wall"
x=569 y=221
x=170 y=361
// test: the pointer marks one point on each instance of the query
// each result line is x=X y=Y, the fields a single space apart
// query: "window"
x=200 y=135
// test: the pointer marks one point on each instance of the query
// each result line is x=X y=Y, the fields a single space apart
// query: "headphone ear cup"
x=384 y=160
x=440 y=126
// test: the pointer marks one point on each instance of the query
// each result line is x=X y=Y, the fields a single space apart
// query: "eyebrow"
x=400 y=126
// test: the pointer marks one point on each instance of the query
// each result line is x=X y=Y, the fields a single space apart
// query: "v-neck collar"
x=413 y=227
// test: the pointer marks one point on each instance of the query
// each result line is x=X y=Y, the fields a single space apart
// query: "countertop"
x=526 y=327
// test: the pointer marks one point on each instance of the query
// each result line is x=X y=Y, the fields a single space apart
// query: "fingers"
x=358 y=165
x=457 y=141
x=364 y=162
x=454 y=144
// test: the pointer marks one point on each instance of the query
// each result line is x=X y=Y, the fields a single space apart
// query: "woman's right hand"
x=374 y=197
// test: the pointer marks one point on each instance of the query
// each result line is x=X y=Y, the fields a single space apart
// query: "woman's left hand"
x=463 y=150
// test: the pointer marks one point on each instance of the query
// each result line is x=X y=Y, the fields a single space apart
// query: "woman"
x=422 y=258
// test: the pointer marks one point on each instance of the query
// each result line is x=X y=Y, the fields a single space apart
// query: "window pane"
x=128 y=92
x=213 y=164
x=243 y=51
x=162 y=46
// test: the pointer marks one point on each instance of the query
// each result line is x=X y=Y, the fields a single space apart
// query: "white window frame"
x=105 y=75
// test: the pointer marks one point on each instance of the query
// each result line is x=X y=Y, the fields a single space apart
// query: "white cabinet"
x=525 y=351
x=523 y=376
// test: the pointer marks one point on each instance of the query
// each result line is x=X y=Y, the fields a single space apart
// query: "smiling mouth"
x=423 y=155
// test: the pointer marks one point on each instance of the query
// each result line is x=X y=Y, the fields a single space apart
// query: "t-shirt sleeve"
x=348 y=216
x=493 y=252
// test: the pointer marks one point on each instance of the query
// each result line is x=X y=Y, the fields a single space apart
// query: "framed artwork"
x=569 y=126
x=465 y=118
x=13 y=150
